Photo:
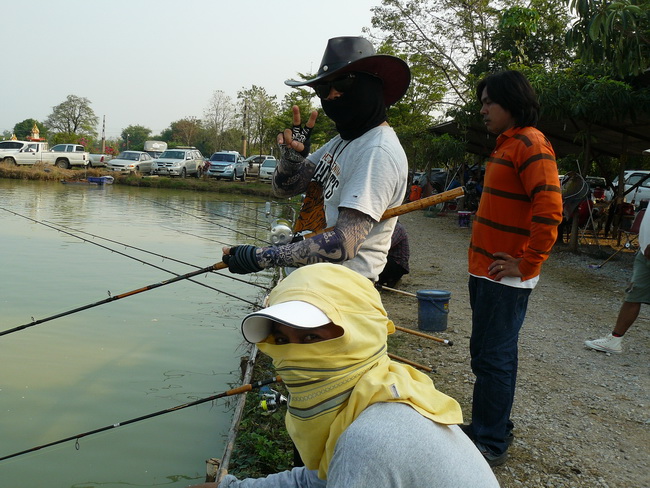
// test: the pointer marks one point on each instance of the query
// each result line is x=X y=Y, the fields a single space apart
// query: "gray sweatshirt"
x=390 y=445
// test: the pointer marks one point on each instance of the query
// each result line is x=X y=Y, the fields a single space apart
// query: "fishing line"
x=196 y=235
x=178 y=277
x=137 y=259
x=118 y=297
x=235 y=391
x=240 y=217
x=208 y=220
x=153 y=253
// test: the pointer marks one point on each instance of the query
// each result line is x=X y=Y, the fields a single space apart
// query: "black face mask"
x=359 y=109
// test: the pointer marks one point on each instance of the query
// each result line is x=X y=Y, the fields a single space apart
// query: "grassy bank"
x=48 y=172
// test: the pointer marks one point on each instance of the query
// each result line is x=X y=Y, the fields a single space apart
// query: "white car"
x=131 y=162
x=631 y=177
x=267 y=169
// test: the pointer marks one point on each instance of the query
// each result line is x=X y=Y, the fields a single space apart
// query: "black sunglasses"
x=342 y=85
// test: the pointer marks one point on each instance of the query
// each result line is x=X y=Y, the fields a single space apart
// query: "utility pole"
x=245 y=136
x=104 y=135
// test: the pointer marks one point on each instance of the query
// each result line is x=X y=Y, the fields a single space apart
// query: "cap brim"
x=393 y=71
x=257 y=326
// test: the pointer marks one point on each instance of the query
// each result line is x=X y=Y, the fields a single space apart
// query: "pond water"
x=128 y=358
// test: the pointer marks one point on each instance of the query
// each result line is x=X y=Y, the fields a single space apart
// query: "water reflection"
x=127 y=358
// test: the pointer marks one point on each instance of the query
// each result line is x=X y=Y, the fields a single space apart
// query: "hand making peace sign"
x=298 y=137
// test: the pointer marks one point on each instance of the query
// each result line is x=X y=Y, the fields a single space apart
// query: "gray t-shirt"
x=391 y=445
x=368 y=174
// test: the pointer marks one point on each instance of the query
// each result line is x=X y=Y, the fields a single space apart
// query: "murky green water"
x=127 y=358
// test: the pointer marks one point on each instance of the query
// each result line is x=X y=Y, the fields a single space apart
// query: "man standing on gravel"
x=637 y=292
x=513 y=232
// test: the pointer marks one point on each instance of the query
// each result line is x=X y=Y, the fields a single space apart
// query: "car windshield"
x=131 y=156
x=228 y=158
x=172 y=155
x=269 y=163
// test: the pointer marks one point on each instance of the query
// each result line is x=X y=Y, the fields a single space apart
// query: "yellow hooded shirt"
x=331 y=382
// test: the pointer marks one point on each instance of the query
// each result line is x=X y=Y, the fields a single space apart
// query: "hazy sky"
x=152 y=62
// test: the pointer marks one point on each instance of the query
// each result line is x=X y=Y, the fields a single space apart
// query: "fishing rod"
x=117 y=297
x=235 y=391
x=147 y=252
x=420 y=204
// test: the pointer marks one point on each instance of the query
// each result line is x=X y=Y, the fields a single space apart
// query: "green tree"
x=136 y=135
x=616 y=32
x=24 y=129
x=73 y=116
x=257 y=109
x=460 y=39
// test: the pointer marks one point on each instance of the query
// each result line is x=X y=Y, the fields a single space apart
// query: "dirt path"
x=581 y=417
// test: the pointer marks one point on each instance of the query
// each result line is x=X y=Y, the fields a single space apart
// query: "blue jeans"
x=498 y=312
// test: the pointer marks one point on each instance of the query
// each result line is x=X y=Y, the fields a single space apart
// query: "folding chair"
x=632 y=234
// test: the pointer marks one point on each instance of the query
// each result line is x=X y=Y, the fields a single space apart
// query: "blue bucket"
x=433 y=308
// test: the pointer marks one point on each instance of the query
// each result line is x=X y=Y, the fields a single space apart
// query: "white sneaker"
x=609 y=343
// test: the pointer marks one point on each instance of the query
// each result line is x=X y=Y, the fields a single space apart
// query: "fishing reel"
x=281 y=232
x=271 y=400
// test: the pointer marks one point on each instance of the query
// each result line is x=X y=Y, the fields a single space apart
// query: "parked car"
x=37 y=152
x=12 y=145
x=631 y=177
x=131 y=161
x=180 y=161
x=267 y=169
x=253 y=163
x=227 y=164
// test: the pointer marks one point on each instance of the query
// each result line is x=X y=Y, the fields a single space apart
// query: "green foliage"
x=448 y=150
x=257 y=109
x=136 y=135
x=263 y=445
x=617 y=33
x=63 y=138
x=24 y=129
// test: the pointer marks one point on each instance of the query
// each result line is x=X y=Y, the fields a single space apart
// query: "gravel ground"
x=581 y=416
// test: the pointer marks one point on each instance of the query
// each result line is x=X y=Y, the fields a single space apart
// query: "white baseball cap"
x=257 y=326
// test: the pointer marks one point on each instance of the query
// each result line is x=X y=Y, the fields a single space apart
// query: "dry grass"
x=45 y=172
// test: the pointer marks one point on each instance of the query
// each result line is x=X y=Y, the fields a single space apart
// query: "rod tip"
x=451 y=343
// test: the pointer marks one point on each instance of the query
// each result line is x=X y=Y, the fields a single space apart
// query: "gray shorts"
x=638 y=290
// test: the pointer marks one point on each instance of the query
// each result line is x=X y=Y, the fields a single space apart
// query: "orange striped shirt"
x=521 y=203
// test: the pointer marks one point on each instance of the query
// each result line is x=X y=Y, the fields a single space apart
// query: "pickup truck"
x=97 y=160
x=61 y=155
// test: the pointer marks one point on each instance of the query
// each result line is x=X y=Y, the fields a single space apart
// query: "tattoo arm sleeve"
x=292 y=174
x=334 y=246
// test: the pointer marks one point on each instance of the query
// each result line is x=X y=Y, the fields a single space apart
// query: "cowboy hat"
x=356 y=54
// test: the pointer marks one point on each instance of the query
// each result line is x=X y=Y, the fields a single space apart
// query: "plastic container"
x=433 y=308
x=463 y=218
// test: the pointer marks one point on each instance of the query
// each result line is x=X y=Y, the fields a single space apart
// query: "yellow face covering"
x=331 y=382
